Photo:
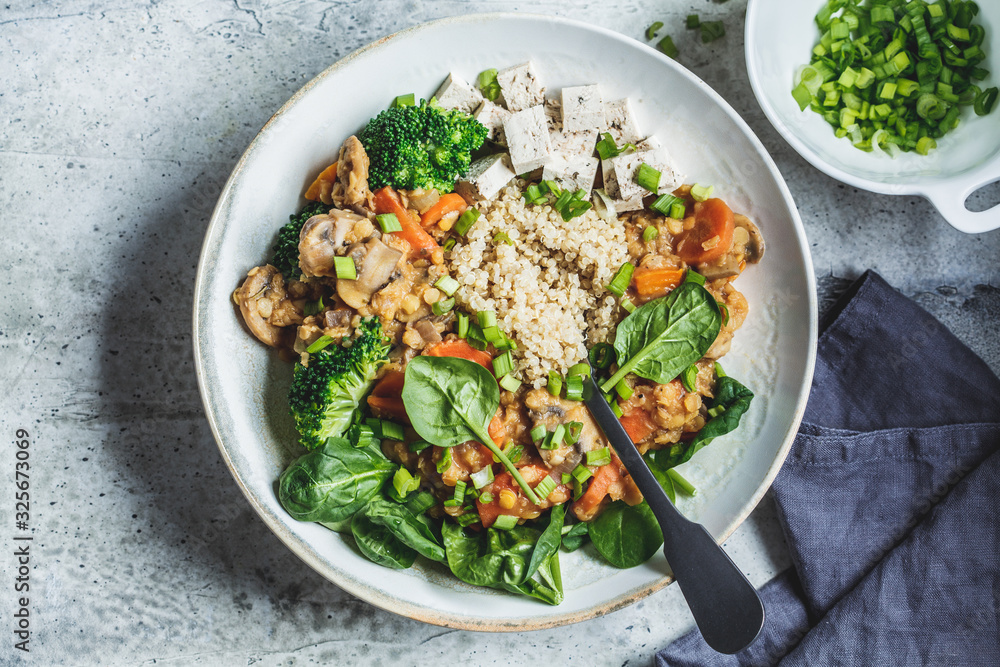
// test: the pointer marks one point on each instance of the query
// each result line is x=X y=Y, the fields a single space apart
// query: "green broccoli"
x=325 y=393
x=421 y=146
x=286 y=248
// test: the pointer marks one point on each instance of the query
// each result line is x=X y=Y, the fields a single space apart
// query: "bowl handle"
x=949 y=199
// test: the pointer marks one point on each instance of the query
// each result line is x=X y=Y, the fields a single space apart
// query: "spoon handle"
x=724 y=604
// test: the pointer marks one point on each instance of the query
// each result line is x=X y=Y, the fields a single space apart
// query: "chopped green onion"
x=555 y=383
x=545 y=487
x=985 y=101
x=421 y=502
x=467 y=519
x=628 y=305
x=602 y=355
x=462 y=324
x=574 y=388
x=582 y=368
x=581 y=473
x=701 y=192
x=505 y=522
x=573 y=430
x=503 y=364
x=466 y=220
x=725 y=312
x=558 y=435
x=624 y=390
x=392 y=431
x=408 y=100
x=621 y=280
x=449 y=244
x=375 y=425
x=664 y=203
x=514 y=453
x=487 y=318
x=389 y=223
x=693 y=276
x=667 y=46
x=681 y=483
x=689 y=377
x=692 y=22
x=711 y=31
x=566 y=478
x=493 y=334
x=482 y=477
x=442 y=306
x=719 y=371
x=445 y=461
x=677 y=211
x=510 y=383
x=607 y=148
x=647 y=177
x=538 y=432
x=502 y=237
x=447 y=284
x=716 y=411
x=651 y=30
x=361 y=435
x=404 y=482
x=599 y=457
x=486 y=497
x=649 y=234
x=319 y=344
x=533 y=195
x=418 y=446
x=488 y=84
x=616 y=408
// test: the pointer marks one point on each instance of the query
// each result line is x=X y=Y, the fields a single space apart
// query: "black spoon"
x=724 y=604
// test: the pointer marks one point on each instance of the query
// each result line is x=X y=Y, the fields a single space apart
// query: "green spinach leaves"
x=665 y=336
x=626 y=536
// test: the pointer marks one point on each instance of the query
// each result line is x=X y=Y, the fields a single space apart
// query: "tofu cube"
x=583 y=109
x=528 y=139
x=573 y=144
x=572 y=174
x=553 y=114
x=621 y=122
x=457 y=93
x=485 y=178
x=520 y=87
x=659 y=158
x=492 y=116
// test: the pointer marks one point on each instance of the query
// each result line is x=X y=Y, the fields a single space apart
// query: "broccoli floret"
x=423 y=146
x=286 y=248
x=325 y=393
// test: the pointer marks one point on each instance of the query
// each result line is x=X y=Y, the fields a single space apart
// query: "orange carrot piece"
x=387 y=201
x=388 y=406
x=654 y=283
x=390 y=385
x=326 y=178
x=638 y=424
x=497 y=430
x=462 y=350
x=448 y=203
x=599 y=485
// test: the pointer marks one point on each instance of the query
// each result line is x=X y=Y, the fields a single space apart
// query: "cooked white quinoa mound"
x=548 y=289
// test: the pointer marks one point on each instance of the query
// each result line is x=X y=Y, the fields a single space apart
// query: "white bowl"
x=243 y=384
x=780 y=36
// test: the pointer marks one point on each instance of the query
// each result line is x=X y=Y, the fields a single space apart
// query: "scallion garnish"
x=442 y=306
x=513 y=452
x=689 y=377
x=503 y=364
x=404 y=483
x=466 y=220
x=467 y=519
x=538 y=432
x=488 y=84
x=681 y=483
x=449 y=244
x=319 y=344
x=581 y=473
x=566 y=478
x=573 y=430
x=389 y=223
x=599 y=457
x=445 y=461
x=582 y=368
x=602 y=355
x=647 y=177
x=624 y=389
x=555 y=384
x=502 y=237
x=616 y=408
x=421 y=502
x=510 y=383
x=664 y=203
x=725 y=312
x=417 y=446
x=701 y=192
x=486 y=497
x=392 y=431
x=447 y=284
x=649 y=234
x=628 y=305
x=716 y=411
x=505 y=522
x=711 y=31
x=487 y=318
x=545 y=487
x=667 y=47
x=652 y=30
x=621 y=280
x=482 y=477
x=607 y=148
x=692 y=22
x=344 y=268
x=693 y=276
x=719 y=371
x=408 y=100
x=558 y=436
x=574 y=388
x=462 y=324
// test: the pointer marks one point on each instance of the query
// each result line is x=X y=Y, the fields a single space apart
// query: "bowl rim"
x=422 y=613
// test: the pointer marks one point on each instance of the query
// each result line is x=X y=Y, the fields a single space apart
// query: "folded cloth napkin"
x=888 y=501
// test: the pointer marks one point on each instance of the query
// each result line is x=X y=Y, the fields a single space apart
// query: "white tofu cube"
x=520 y=87
x=621 y=122
x=553 y=114
x=658 y=158
x=528 y=139
x=457 y=93
x=485 y=178
x=583 y=109
x=573 y=144
x=573 y=174
x=492 y=116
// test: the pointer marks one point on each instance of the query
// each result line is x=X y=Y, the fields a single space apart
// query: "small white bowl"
x=244 y=386
x=780 y=36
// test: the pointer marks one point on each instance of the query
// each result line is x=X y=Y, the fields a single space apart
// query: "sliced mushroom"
x=724 y=267
x=545 y=409
x=428 y=331
x=262 y=298
x=337 y=318
x=754 y=242
x=422 y=200
x=352 y=172
x=324 y=235
x=375 y=263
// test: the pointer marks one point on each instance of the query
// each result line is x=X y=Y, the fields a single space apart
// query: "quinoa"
x=548 y=289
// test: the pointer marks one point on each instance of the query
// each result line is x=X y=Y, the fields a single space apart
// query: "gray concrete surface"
x=119 y=122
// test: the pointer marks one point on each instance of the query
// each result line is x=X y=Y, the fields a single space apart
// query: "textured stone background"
x=119 y=122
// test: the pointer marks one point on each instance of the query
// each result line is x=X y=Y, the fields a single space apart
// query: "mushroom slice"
x=724 y=267
x=754 y=242
x=376 y=263
x=549 y=411
x=352 y=171
x=260 y=296
x=323 y=235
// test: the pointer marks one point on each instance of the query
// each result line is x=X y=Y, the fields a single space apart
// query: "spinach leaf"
x=548 y=541
x=405 y=526
x=626 y=536
x=665 y=336
x=343 y=526
x=451 y=401
x=500 y=559
x=576 y=536
x=333 y=482
x=661 y=477
x=731 y=397
x=379 y=545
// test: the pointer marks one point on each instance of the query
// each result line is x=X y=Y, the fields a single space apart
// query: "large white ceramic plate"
x=780 y=36
x=243 y=384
